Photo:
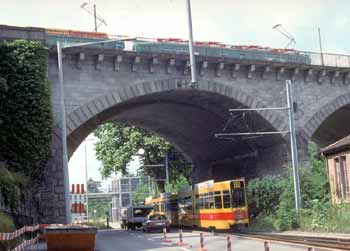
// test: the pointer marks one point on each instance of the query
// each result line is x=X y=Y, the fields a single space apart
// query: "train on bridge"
x=179 y=47
x=211 y=205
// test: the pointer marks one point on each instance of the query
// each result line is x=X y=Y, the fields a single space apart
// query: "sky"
x=247 y=22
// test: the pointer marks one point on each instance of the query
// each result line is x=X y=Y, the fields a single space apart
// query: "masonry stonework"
x=131 y=88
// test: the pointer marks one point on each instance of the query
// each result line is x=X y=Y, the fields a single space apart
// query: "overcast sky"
x=230 y=21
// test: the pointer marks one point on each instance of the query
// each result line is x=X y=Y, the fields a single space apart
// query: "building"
x=78 y=202
x=338 y=169
x=122 y=189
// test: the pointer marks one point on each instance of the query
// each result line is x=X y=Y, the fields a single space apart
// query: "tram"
x=212 y=205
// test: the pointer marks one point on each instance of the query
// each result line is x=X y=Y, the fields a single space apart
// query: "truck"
x=136 y=215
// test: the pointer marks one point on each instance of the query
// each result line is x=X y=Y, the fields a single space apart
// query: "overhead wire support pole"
x=64 y=135
x=248 y=133
x=293 y=145
x=95 y=17
x=320 y=43
x=190 y=45
x=257 y=109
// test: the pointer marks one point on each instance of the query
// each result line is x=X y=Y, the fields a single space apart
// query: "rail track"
x=309 y=241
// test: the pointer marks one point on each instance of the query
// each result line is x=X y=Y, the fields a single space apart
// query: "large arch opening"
x=188 y=119
x=334 y=127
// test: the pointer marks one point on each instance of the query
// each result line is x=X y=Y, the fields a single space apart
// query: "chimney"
x=78 y=188
x=72 y=189
x=82 y=189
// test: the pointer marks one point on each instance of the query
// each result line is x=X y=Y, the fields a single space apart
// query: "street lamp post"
x=64 y=135
x=190 y=44
x=63 y=116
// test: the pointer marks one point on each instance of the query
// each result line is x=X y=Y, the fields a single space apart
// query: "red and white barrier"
x=266 y=246
x=228 y=243
x=17 y=233
x=26 y=243
x=201 y=239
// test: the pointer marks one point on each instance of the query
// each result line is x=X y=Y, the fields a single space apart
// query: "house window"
x=344 y=178
x=341 y=178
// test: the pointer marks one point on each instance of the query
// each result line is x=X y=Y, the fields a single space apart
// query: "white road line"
x=186 y=249
x=139 y=236
x=168 y=244
x=150 y=239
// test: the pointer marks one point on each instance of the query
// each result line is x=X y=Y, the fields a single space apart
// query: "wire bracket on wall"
x=248 y=121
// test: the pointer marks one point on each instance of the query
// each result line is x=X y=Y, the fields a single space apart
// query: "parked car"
x=136 y=215
x=156 y=222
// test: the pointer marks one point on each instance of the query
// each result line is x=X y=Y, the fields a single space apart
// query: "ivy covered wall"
x=25 y=110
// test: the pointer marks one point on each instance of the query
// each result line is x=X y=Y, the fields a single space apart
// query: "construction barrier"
x=228 y=243
x=201 y=239
x=18 y=233
x=181 y=243
x=266 y=246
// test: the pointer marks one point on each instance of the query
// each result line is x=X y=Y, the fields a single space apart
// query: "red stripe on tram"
x=222 y=216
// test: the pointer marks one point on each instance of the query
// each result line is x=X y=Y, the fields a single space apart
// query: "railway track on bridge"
x=308 y=241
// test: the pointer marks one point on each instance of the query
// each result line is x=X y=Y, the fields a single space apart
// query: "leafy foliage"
x=118 y=143
x=98 y=210
x=10 y=186
x=25 y=115
x=273 y=197
x=139 y=196
x=177 y=184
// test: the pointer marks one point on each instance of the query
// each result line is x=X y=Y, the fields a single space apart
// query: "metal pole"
x=87 y=183
x=64 y=135
x=166 y=169
x=293 y=145
x=190 y=44
x=95 y=17
x=320 y=43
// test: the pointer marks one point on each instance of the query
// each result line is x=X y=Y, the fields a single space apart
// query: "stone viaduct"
x=152 y=91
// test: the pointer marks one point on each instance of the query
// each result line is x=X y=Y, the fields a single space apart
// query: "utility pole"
x=292 y=133
x=87 y=183
x=64 y=135
x=293 y=145
x=190 y=45
x=166 y=169
x=320 y=43
x=95 y=17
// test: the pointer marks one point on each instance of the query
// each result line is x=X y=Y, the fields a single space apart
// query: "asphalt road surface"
x=123 y=240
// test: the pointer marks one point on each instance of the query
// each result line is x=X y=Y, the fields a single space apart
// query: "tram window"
x=226 y=199
x=211 y=201
x=218 y=202
x=238 y=199
x=206 y=204
x=197 y=202
x=201 y=199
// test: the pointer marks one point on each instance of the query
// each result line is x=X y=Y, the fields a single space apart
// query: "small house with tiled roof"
x=338 y=169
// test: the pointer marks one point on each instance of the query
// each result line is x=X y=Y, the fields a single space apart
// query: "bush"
x=273 y=199
x=25 y=109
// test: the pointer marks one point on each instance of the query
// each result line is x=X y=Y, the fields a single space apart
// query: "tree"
x=176 y=185
x=118 y=143
x=139 y=196
x=93 y=186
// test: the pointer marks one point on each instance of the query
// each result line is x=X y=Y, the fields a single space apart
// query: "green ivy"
x=25 y=113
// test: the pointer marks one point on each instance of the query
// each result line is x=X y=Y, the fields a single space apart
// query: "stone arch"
x=94 y=107
x=320 y=117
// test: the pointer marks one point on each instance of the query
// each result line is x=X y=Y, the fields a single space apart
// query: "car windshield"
x=157 y=217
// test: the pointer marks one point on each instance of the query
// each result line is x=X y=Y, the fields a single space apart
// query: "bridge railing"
x=328 y=59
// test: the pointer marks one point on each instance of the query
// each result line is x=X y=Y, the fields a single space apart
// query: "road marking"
x=168 y=244
x=139 y=236
x=150 y=239
x=186 y=249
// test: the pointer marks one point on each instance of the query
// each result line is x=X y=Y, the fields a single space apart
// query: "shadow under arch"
x=331 y=122
x=186 y=117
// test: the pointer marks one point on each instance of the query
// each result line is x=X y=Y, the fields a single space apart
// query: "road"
x=122 y=240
